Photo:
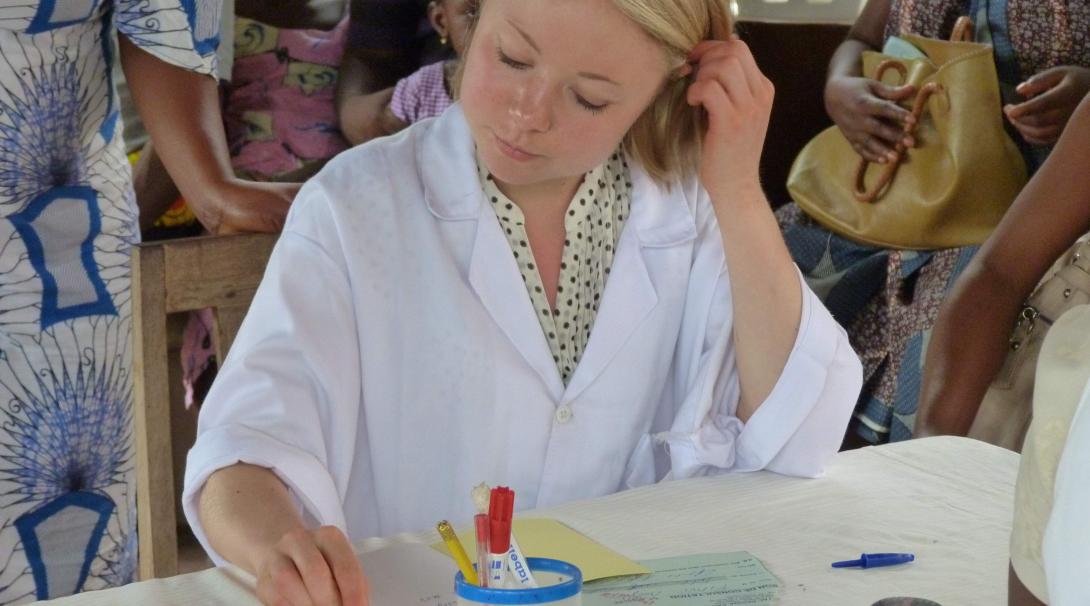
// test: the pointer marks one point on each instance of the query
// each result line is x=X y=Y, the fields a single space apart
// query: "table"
x=948 y=500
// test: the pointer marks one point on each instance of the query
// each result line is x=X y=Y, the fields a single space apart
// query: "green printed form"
x=721 y=579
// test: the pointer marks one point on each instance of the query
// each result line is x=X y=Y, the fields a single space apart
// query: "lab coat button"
x=563 y=414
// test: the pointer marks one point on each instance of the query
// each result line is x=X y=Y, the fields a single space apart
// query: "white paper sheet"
x=409 y=574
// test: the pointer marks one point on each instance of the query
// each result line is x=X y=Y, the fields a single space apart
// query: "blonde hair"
x=668 y=137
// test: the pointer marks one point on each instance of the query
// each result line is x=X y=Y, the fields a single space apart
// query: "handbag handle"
x=869 y=196
x=963 y=30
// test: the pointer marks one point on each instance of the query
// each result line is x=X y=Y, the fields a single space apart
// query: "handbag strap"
x=1073 y=275
x=963 y=30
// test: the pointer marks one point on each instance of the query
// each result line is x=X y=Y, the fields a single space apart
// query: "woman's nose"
x=530 y=108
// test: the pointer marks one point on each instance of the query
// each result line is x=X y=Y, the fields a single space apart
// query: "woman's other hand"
x=1052 y=97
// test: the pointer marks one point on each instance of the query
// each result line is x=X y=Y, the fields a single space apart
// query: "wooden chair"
x=170 y=277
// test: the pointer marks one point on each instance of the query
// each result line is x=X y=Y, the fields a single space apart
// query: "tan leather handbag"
x=1006 y=410
x=952 y=188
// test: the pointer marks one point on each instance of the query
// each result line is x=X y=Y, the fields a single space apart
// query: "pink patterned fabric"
x=279 y=110
x=422 y=94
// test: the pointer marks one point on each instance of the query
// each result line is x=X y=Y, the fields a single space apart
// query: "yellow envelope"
x=545 y=538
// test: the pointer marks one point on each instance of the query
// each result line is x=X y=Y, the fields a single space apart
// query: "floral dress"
x=69 y=218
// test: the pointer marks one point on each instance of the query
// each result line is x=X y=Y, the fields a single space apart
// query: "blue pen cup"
x=559 y=584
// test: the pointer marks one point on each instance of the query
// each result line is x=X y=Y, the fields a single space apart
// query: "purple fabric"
x=421 y=95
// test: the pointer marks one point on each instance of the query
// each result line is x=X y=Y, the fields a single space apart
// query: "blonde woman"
x=570 y=283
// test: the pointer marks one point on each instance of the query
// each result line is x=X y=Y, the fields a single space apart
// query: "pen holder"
x=559 y=584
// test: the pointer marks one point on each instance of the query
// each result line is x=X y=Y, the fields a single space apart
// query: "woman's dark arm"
x=181 y=111
x=969 y=341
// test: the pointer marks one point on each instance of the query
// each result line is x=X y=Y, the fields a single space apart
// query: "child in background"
x=428 y=91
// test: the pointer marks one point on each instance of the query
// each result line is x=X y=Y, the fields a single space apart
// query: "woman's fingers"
x=317 y=577
x=728 y=72
x=884 y=108
x=312 y=568
x=713 y=98
x=886 y=132
x=338 y=553
x=878 y=151
x=1039 y=135
x=279 y=583
x=1054 y=99
x=729 y=65
x=1042 y=81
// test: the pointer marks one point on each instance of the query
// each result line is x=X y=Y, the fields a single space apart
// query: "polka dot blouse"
x=593 y=225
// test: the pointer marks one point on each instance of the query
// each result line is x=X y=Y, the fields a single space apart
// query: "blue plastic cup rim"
x=538 y=595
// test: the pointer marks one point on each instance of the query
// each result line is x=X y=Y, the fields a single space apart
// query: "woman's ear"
x=438 y=20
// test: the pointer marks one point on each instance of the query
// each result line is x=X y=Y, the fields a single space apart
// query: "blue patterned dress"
x=69 y=218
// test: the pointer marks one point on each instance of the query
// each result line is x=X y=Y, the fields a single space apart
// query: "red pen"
x=500 y=509
x=481 y=523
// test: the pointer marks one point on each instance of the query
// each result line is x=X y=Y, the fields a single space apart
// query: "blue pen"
x=875 y=560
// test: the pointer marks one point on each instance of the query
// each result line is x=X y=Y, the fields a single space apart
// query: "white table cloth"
x=948 y=500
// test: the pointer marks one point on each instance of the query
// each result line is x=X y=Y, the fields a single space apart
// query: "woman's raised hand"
x=738 y=100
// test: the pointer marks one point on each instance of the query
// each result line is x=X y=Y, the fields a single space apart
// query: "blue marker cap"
x=875 y=560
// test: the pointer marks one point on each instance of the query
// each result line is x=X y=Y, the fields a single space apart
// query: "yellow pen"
x=457 y=551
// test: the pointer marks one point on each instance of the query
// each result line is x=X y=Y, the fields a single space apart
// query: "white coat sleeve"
x=287 y=396
x=801 y=423
x=1066 y=548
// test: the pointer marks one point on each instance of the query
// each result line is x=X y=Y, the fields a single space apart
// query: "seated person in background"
x=570 y=283
x=970 y=341
x=888 y=299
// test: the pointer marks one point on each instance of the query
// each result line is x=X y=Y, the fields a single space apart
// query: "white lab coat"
x=392 y=360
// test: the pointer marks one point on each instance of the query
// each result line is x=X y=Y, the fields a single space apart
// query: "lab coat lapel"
x=658 y=219
x=454 y=193
x=495 y=277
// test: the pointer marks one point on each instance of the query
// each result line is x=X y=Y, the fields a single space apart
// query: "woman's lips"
x=513 y=152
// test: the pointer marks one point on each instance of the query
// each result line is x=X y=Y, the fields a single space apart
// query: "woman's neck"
x=544 y=198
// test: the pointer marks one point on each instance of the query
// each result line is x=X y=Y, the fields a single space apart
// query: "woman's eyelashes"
x=590 y=107
x=509 y=62
x=593 y=108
